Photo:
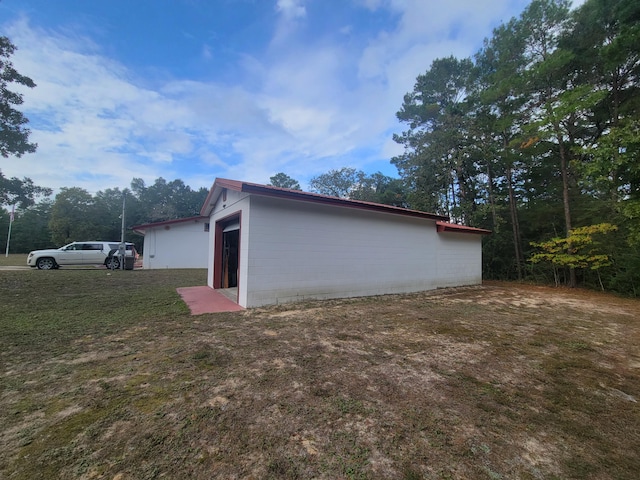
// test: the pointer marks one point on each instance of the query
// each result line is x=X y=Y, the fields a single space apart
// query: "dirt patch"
x=499 y=381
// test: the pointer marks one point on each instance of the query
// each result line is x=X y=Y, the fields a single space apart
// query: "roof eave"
x=140 y=229
x=454 y=228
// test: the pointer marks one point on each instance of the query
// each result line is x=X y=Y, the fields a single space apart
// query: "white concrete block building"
x=273 y=245
x=182 y=243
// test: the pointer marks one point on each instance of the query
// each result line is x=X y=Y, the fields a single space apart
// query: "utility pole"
x=13 y=210
x=123 y=246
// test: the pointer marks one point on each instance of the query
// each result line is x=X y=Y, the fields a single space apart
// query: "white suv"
x=81 y=253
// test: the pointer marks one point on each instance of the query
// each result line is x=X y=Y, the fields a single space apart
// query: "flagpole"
x=13 y=209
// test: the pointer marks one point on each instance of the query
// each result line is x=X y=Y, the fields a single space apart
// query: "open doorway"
x=226 y=255
x=230 y=244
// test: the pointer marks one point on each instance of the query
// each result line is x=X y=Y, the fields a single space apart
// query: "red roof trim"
x=146 y=226
x=267 y=190
x=230 y=184
x=452 y=227
x=214 y=191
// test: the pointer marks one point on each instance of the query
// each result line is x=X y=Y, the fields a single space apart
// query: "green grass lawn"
x=14 y=259
x=107 y=375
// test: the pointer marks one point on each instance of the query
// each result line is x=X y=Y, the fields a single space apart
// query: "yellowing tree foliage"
x=580 y=249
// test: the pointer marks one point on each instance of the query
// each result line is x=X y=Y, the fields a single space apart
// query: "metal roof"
x=146 y=226
x=285 y=193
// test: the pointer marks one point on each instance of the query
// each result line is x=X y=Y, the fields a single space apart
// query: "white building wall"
x=459 y=259
x=176 y=245
x=303 y=250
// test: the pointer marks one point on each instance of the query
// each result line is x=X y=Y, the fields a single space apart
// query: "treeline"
x=75 y=214
x=537 y=138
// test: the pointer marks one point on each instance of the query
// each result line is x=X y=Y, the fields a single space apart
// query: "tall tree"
x=282 y=180
x=14 y=136
x=21 y=192
x=109 y=209
x=605 y=41
x=357 y=185
x=74 y=217
x=557 y=104
x=379 y=188
x=437 y=160
x=335 y=183
x=498 y=91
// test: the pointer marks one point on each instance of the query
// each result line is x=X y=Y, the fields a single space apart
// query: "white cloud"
x=301 y=108
x=101 y=125
x=428 y=30
x=291 y=9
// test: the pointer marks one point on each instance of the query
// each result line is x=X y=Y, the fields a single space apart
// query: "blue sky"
x=240 y=89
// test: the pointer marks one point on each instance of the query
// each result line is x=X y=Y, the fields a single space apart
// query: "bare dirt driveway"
x=501 y=381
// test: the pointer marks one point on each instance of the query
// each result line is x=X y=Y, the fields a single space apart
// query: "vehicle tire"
x=46 y=263
x=112 y=260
